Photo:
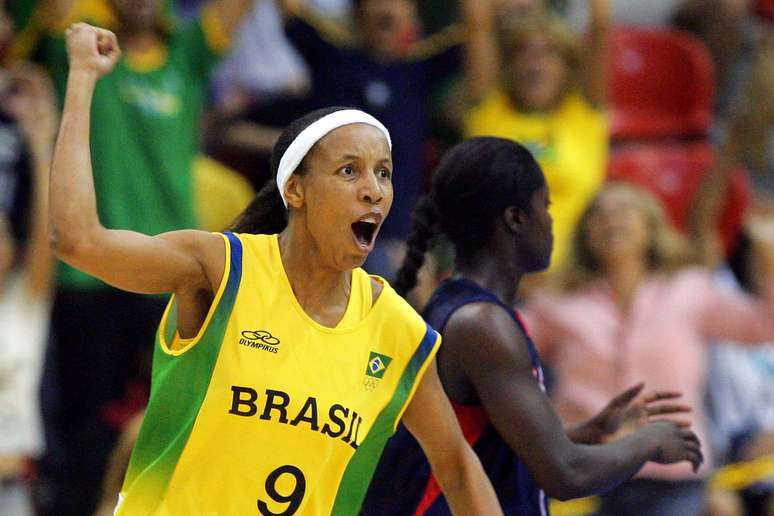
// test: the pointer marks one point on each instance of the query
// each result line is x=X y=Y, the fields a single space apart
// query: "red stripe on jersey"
x=473 y=422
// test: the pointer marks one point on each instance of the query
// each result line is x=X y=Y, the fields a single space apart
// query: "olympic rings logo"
x=370 y=383
x=261 y=336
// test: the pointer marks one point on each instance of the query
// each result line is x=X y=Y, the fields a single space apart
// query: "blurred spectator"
x=28 y=120
x=145 y=122
x=547 y=92
x=631 y=311
x=725 y=27
x=754 y=109
x=741 y=384
x=741 y=397
x=263 y=63
x=628 y=12
x=381 y=66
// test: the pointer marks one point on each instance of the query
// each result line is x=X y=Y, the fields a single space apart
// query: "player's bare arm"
x=188 y=263
x=523 y=415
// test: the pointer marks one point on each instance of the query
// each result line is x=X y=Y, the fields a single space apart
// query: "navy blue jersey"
x=403 y=483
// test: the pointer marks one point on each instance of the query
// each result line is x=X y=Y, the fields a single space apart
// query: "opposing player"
x=490 y=199
x=281 y=368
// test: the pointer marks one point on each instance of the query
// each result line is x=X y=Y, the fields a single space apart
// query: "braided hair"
x=474 y=183
x=266 y=214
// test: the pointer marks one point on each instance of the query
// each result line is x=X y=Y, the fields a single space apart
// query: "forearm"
x=73 y=206
x=38 y=259
x=466 y=486
x=708 y=201
x=597 y=54
x=593 y=469
x=481 y=53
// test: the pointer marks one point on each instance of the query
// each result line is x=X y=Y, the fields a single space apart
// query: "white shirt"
x=23 y=333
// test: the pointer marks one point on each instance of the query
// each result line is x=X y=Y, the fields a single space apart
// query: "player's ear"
x=294 y=191
x=514 y=219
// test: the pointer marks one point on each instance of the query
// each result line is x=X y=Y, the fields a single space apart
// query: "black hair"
x=266 y=214
x=474 y=183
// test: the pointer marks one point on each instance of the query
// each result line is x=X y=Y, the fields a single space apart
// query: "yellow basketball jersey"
x=266 y=411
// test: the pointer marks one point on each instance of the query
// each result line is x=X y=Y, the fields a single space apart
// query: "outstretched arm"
x=33 y=105
x=482 y=59
x=523 y=415
x=596 y=57
x=184 y=262
x=749 y=123
x=431 y=420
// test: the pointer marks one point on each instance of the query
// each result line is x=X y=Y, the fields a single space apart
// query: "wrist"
x=82 y=72
x=652 y=432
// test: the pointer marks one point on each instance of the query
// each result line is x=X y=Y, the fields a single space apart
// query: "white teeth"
x=371 y=219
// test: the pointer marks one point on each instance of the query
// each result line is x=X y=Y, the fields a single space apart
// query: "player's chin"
x=351 y=260
x=358 y=260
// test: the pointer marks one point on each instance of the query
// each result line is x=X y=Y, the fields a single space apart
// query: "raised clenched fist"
x=91 y=48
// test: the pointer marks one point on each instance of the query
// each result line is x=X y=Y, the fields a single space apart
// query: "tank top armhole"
x=179 y=343
x=376 y=284
x=168 y=338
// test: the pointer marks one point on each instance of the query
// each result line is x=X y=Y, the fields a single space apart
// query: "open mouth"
x=364 y=232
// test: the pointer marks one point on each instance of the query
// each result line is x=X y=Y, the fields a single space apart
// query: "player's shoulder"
x=482 y=317
x=483 y=323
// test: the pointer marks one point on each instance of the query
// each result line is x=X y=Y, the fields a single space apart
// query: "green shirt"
x=144 y=134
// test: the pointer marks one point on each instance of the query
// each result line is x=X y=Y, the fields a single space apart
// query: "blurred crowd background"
x=652 y=120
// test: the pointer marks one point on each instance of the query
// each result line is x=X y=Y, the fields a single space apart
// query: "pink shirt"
x=596 y=351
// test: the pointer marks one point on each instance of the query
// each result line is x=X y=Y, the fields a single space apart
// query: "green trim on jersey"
x=357 y=477
x=179 y=385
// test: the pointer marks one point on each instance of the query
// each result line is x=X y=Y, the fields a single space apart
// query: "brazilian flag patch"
x=377 y=365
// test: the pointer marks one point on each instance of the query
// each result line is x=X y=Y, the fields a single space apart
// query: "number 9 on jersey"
x=278 y=480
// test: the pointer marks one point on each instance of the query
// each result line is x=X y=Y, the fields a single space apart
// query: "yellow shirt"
x=570 y=143
x=266 y=411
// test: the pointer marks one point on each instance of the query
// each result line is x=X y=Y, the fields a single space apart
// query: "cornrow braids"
x=266 y=214
x=424 y=226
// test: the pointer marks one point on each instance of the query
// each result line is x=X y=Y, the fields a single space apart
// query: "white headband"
x=313 y=133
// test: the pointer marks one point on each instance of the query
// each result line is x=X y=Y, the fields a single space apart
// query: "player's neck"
x=496 y=275
x=321 y=290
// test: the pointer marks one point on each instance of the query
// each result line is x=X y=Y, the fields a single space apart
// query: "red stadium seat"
x=673 y=172
x=662 y=84
x=765 y=9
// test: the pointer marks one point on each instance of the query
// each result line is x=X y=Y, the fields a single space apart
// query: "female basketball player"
x=281 y=368
x=489 y=367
